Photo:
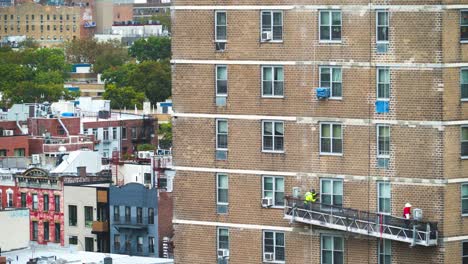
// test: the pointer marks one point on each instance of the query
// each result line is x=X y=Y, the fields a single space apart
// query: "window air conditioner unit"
x=223 y=253
x=148 y=186
x=220 y=46
x=268 y=256
x=266 y=35
x=8 y=132
x=323 y=93
x=36 y=158
x=267 y=201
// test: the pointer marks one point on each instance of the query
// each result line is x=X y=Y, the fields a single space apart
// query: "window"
x=223 y=242
x=114 y=133
x=46 y=231
x=88 y=210
x=72 y=215
x=464 y=25
x=383 y=84
x=332 y=249
x=34 y=230
x=117 y=242
x=464 y=142
x=134 y=132
x=222 y=193
x=139 y=244
x=150 y=216
x=57 y=203
x=272 y=81
x=23 y=200
x=105 y=134
x=272 y=26
x=46 y=202
x=73 y=240
x=95 y=133
x=464 y=198
x=331 y=192
x=221 y=80
x=464 y=84
x=3 y=152
x=124 y=132
x=19 y=152
x=330 y=26
x=384 y=197
x=221 y=26
x=151 y=244
x=128 y=214
x=273 y=187
x=383 y=141
x=35 y=200
x=116 y=213
x=9 y=198
x=465 y=252
x=331 y=139
x=330 y=77
x=147 y=178
x=273 y=136
x=139 y=215
x=382 y=26
x=385 y=251
x=273 y=244
x=89 y=244
x=221 y=139
x=57 y=232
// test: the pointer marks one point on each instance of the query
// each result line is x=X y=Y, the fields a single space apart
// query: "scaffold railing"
x=361 y=222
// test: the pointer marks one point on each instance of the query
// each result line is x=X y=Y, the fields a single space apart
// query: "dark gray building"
x=133 y=220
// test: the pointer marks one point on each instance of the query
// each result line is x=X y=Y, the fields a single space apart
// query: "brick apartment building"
x=250 y=128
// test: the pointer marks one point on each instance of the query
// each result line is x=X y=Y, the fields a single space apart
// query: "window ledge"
x=279 y=262
x=271 y=41
x=383 y=99
x=331 y=154
x=383 y=157
x=464 y=157
x=220 y=41
x=274 y=207
x=464 y=100
x=336 y=98
x=330 y=41
x=275 y=152
x=464 y=41
x=273 y=96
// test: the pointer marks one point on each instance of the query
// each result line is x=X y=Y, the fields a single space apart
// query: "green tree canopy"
x=152 y=48
x=123 y=97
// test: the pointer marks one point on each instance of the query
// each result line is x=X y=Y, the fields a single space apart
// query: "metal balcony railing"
x=361 y=222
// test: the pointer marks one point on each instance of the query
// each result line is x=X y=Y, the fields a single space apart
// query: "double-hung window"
x=273 y=246
x=10 y=199
x=332 y=249
x=331 y=192
x=46 y=231
x=23 y=200
x=464 y=199
x=35 y=230
x=330 y=26
x=57 y=203
x=273 y=136
x=385 y=251
x=220 y=26
x=383 y=84
x=88 y=210
x=139 y=215
x=116 y=213
x=272 y=26
x=222 y=191
x=464 y=142
x=384 y=197
x=273 y=187
x=221 y=139
x=35 y=201
x=464 y=25
x=46 y=202
x=464 y=84
x=128 y=214
x=72 y=215
x=331 y=139
x=330 y=77
x=383 y=141
x=272 y=81
x=223 y=245
x=221 y=80
x=382 y=26
x=57 y=232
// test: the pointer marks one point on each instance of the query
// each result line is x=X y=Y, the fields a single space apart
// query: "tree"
x=154 y=79
x=123 y=97
x=109 y=58
x=165 y=130
x=152 y=48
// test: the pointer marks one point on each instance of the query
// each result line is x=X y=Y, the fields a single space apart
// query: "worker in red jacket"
x=407 y=211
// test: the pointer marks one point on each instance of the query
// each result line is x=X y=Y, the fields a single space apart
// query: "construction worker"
x=310 y=197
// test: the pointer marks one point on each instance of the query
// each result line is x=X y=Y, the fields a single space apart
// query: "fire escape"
x=360 y=222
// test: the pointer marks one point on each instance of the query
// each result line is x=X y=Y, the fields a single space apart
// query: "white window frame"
x=332 y=69
x=462 y=199
x=218 y=188
x=377 y=26
x=332 y=194
x=462 y=141
x=333 y=247
x=379 y=196
x=218 y=133
x=216 y=80
x=273 y=95
x=274 y=246
x=218 y=229
x=34 y=208
x=329 y=40
x=463 y=99
x=272 y=12
x=331 y=153
x=383 y=156
x=274 y=189
x=383 y=242
x=460 y=22
x=273 y=136
x=8 y=193
x=379 y=98
x=216 y=25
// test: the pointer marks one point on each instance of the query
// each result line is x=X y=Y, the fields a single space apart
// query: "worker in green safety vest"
x=310 y=197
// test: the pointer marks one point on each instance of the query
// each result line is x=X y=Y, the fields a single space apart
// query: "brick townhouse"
x=364 y=101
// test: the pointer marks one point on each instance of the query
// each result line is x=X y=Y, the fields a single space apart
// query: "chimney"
x=81 y=171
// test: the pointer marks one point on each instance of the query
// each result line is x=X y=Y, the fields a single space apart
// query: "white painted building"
x=137 y=30
x=14 y=229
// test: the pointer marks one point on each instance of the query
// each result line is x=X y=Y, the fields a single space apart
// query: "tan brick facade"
x=424 y=57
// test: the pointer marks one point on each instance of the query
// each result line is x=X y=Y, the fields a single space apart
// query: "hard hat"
x=407 y=205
